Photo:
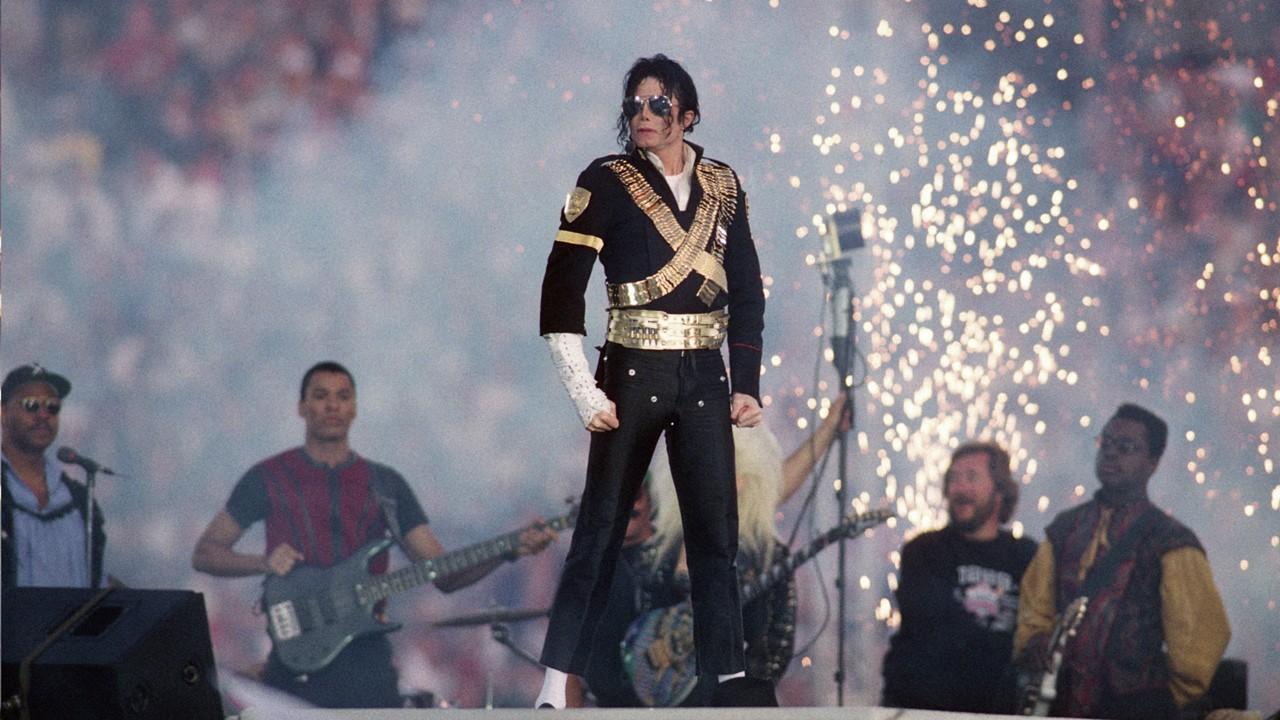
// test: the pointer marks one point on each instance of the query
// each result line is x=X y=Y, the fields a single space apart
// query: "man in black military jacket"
x=670 y=227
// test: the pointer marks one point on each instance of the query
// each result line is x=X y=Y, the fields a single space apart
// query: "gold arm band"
x=574 y=238
x=656 y=330
x=633 y=293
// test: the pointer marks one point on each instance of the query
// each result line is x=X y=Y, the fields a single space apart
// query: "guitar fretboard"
x=783 y=569
x=425 y=571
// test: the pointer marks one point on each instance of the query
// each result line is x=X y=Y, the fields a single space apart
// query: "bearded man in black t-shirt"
x=958 y=595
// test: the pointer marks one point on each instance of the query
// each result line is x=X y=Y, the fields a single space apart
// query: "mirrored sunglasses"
x=33 y=405
x=659 y=105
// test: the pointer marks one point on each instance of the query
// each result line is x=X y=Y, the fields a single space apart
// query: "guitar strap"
x=336 y=540
x=387 y=501
x=1100 y=574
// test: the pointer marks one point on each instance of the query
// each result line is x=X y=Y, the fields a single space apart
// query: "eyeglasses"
x=33 y=405
x=1124 y=446
x=659 y=105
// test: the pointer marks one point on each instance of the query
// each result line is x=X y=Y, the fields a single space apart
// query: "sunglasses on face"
x=659 y=105
x=1122 y=446
x=33 y=405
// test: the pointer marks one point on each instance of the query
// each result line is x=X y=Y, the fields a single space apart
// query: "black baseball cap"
x=33 y=372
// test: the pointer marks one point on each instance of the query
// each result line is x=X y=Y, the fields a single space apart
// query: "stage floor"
x=790 y=713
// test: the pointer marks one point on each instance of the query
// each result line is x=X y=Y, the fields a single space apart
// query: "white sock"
x=553 y=684
x=740 y=673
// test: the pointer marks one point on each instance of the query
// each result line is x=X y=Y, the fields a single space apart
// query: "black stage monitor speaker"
x=127 y=654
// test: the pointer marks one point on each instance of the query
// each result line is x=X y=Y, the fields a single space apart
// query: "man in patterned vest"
x=1155 y=628
x=670 y=227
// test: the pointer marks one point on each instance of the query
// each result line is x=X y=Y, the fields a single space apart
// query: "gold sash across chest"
x=695 y=249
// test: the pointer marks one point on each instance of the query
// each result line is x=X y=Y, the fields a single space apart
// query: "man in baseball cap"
x=42 y=510
x=33 y=372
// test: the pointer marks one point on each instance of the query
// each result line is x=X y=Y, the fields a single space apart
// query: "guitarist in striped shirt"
x=320 y=504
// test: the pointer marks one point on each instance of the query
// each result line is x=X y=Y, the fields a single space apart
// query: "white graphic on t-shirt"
x=989 y=596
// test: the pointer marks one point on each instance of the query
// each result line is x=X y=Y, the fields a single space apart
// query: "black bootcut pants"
x=686 y=394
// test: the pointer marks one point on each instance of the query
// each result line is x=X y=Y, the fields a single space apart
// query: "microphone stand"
x=842 y=348
x=90 y=478
x=502 y=634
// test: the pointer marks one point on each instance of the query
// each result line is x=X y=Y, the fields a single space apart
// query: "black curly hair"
x=675 y=82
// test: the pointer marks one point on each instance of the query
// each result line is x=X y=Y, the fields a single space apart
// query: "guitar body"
x=313 y=613
x=658 y=655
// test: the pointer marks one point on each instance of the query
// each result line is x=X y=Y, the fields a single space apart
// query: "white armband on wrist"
x=571 y=365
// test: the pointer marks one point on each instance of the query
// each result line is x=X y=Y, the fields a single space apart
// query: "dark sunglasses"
x=1124 y=446
x=33 y=405
x=659 y=105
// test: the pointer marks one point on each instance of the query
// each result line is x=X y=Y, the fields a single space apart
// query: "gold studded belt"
x=656 y=330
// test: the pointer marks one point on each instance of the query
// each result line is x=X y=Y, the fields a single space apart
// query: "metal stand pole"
x=502 y=634
x=90 y=480
x=843 y=345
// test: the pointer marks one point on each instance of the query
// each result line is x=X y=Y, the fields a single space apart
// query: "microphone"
x=842 y=233
x=71 y=457
x=840 y=330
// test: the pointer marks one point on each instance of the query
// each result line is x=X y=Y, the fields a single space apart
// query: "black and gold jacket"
x=603 y=218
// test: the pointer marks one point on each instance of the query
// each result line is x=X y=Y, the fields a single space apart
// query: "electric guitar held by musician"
x=313 y=613
x=1040 y=693
x=658 y=651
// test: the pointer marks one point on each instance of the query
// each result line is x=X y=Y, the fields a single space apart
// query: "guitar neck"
x=783 y=569
x=1042 y=691
x=424 y=571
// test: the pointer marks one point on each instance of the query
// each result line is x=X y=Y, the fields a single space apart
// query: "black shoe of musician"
x=744 y=692
x=546 y=706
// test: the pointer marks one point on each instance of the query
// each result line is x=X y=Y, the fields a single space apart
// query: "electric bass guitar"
x=658 y=650
x=1040 y=693
x=313 y=613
